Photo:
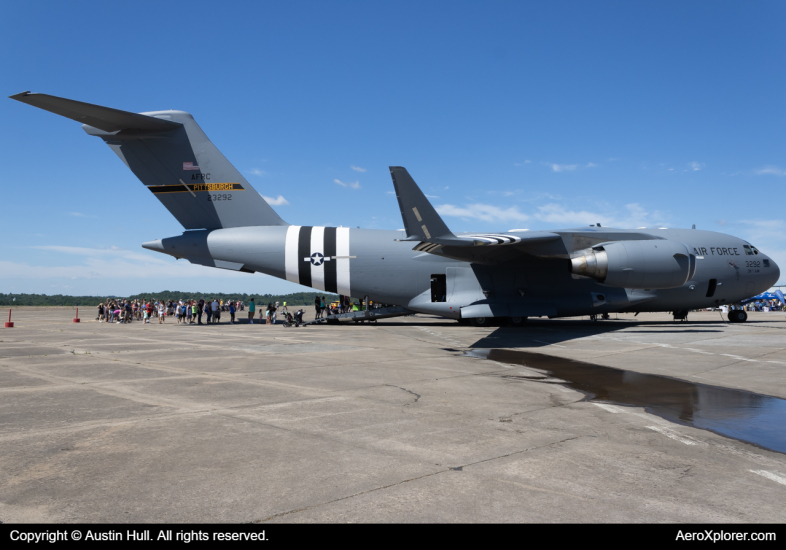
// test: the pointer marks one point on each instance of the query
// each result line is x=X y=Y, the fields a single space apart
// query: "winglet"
x=103 y=118
x=421 y=221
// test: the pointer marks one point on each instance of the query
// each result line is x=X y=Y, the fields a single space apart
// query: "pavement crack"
x=402 y=482
x=417 y=395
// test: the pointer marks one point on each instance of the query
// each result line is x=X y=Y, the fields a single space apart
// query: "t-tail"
x=172 y=156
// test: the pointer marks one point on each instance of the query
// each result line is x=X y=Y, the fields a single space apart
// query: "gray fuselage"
x=528 y=281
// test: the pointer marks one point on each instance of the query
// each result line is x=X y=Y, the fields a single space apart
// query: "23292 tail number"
x=219 y=197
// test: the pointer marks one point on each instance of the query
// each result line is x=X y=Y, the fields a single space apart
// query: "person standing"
x=252 y=307
x=200 y=309
x=216 y=311
x=273 y=314
x=232 y=313
x=208 y=311
x=316 y=308
x=161 y=312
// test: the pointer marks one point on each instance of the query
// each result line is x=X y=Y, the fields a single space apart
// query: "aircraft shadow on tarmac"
x=537 y=334
x=739 y=414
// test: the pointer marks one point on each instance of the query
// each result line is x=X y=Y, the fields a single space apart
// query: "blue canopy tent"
x=777 y=295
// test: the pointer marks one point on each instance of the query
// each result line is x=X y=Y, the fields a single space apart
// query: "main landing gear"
x=738 y=316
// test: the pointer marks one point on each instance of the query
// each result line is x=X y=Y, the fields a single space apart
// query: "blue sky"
x=509 y=114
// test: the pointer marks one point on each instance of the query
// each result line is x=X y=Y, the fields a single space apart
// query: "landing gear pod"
x=636 y=264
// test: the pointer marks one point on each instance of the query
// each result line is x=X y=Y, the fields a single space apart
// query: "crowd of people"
x=191 y=312
x=343 y=305
x=186 y=312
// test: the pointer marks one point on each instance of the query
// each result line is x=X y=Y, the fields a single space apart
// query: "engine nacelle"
x=637 y=264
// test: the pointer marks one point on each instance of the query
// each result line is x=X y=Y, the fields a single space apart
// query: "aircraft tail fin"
x=421 y=221
x=174 y=159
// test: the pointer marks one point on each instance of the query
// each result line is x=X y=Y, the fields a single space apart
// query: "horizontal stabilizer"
x=421 y=221
x=103 y=118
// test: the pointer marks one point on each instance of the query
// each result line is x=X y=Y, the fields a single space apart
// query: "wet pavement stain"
x=739 y=414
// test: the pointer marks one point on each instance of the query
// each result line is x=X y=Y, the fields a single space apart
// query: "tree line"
x=293 y=299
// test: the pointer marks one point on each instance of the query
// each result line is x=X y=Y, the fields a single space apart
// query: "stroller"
x=294 y=320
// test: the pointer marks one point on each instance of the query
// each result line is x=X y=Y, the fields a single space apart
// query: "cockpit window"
x=750 y=250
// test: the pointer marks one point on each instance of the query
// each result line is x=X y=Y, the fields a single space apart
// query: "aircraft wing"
x=424 y=225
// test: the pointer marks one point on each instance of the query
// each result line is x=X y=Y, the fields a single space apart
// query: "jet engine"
x=636 y=264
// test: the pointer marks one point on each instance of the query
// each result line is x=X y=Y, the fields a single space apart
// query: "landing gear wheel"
x=733 y=316
x=738 y=316
x=481 y=321
x=518 y=321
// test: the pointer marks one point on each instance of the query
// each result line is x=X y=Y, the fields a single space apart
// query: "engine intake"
x=636 y=264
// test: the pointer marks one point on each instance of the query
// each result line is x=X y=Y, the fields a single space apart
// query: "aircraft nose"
x=775 y=272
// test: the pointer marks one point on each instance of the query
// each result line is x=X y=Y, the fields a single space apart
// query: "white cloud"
x=696 y=166
x=351 y=185
x=770 y=170
x=112 y=251
x=279 y=200
x=563 y=167
x=257 y=172
x=522 y=163
x=110 y=264
x=357 y=168
x=431 y=196
x=569 y=167
x=556 y=213
x=485 y=212
x=765 y=229
x=633 y=215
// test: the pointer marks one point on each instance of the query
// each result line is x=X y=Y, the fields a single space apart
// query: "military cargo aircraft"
x=505 y=276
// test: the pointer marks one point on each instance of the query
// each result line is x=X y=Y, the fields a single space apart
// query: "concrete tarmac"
x=372 y=423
